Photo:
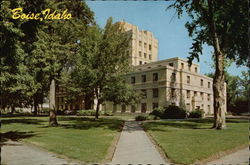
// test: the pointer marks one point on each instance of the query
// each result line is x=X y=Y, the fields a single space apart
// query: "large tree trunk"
x=52 y=104
x=35 y=105
x=219 y=79
x=97 y=109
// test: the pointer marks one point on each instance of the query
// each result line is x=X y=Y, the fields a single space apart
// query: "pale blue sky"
x=166 y=27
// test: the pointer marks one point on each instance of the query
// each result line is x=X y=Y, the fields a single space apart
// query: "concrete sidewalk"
x=240 y=157
x=16 y=153
x=134 y=147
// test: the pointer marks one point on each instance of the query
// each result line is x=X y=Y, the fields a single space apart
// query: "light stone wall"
x=172 y=89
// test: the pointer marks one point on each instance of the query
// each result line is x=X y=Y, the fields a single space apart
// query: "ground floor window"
x=155 y=105
x=143 y=107
x=123 y=108
x=132 y=108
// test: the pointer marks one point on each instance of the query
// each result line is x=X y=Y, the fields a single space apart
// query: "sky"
x=170 y=31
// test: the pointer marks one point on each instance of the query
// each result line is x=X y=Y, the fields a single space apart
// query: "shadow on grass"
x=188 y=124
x=84 y=123
x=15 y=136
x=23 y=121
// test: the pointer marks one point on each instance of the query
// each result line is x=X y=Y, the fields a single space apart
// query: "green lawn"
x=78 y=138
x=185 y=142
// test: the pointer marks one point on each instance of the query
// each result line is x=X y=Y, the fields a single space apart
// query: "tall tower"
x=144 y=47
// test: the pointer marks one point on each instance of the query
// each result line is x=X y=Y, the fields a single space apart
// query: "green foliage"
x=174 y=112
x=158 y=112
x=197 y=113
x=85 y=113
x=141 y=118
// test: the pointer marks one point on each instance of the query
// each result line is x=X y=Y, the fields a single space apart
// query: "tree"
x=101 y=63
x=224 y=26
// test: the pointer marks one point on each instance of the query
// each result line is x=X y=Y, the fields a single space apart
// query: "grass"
x=187 y=141
x=84 y=139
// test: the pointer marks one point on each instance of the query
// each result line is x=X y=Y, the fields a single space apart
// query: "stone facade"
x=169 y=82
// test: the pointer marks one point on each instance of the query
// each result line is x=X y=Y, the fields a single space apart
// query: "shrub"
x=196 y=113
x=174 y=112
x=86 y=113
x=158 y=112
x=140 y=118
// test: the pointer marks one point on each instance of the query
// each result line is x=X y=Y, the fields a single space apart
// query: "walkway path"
x=16 y=153
x=237 y=158
x=134 y=147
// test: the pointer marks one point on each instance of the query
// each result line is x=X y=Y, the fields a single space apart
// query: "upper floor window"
x=139 y=53
x=202 y=96
x=140 y=43
x=150 y=47
x=155 y=92
x=182 y=65
x=196 y=70
x=171 y=64
x=195 y=93
x=173 y=77
x=145 y=45
x=140 y=62
x=189 y=67
x=188 y=94
x=143 y=78
x=201 y=82
x=188 y=79
x=150 y=56
x=208 y=97
x=144 y=93
x=132 y=80
x=208 y=84
x=145 y=55
x=155 y=76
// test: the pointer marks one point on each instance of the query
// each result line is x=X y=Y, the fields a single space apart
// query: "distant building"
x=161 y=83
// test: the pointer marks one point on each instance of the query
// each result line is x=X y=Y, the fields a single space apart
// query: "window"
x=173 y=77
x=208 y=97
x=140 y=62
x=208 y=84
x=132 y=80
x=143 y=107
x=145 y=45
x=208 y=109
x=143 y=78
x=150 y=56
x=144 y=93
x=145 y=55
x=188 y=79
x=140 y=43
x=202 y=96
x=155 y=105
x=133 y=108
x=189 y=67
x=150 y=47
x=171 y=64
x=155 y=92
x=188 y=106
x=182 y=65
x=145 y=63
x=196 y=69
x=201 y=82
x=195 y=93
x=188 y=94
x=155 y=76
x=139 y=53
x=123 y=108
x=172 y=93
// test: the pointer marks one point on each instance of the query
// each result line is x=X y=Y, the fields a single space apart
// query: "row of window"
x=145 y=55
x=195 y=94
x=173 y=78
x=145 y=45
x=182 y=67
x=155 y=92
x=143 y=107
x=144 y=78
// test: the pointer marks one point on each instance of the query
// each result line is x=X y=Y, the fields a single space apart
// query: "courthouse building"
x=161 y=83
